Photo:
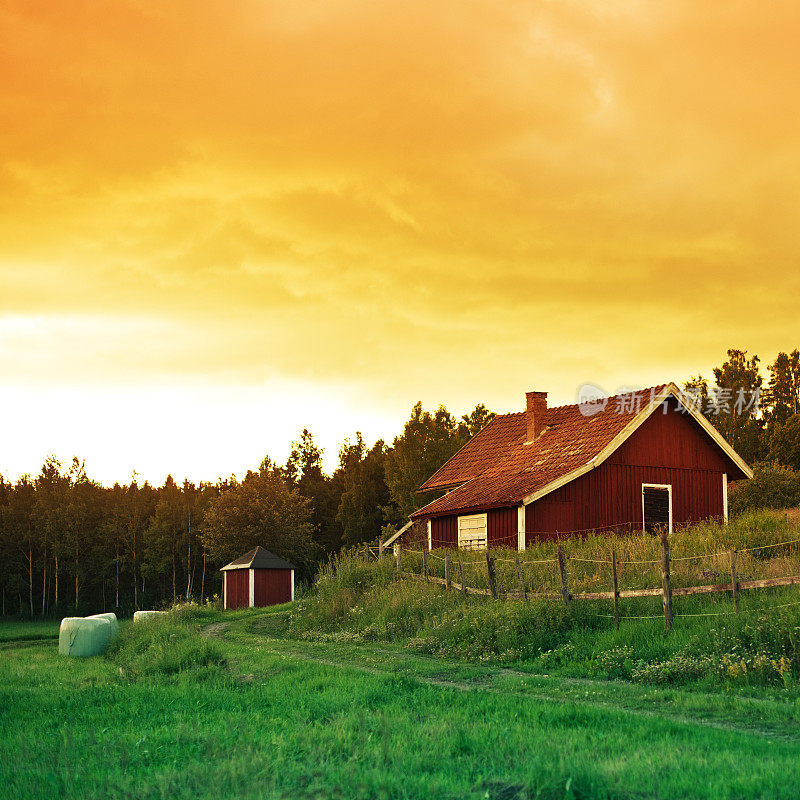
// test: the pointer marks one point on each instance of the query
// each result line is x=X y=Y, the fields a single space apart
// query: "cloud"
x=452 y=201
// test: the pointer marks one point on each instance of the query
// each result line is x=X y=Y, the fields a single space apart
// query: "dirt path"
x=215 y=629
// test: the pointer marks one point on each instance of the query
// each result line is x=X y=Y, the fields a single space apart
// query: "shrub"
x=614 y=663
x=772 y=486
x=758 y=668
x=678 y=669
x=558 y=657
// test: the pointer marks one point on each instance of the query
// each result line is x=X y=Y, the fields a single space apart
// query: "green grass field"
x=370 y=687
x=246 y=712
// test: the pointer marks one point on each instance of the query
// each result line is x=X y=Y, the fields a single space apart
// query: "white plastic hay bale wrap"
x=112 y=618
x=83 y=637
x=141 y=616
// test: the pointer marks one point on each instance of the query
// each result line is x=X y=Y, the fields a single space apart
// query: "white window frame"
x=485 y=519
x=668 y=487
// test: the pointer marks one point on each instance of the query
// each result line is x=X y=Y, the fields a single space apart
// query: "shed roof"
x=498 y=467
x=259 y=558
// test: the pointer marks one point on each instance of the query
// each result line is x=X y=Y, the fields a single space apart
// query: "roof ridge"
x=659 y=386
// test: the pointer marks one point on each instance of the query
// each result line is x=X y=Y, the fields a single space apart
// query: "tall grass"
x=309 y=720
x=358 y=600
x=166 y=647
x=589 y=557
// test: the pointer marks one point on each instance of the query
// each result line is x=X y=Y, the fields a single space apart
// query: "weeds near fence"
x=355 y=599
x=702 y=559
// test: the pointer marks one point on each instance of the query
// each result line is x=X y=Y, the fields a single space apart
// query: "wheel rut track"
x=485 y=685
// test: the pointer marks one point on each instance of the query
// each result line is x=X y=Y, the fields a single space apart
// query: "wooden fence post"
x=734 y=582
x=562 y=569
x=447 y=582
x=616 y=586
x=425 y=563
x=519 y=579
x=492 y=575
x=380 y=549
x=665 y=582
x=463 y=580
x=397 y=556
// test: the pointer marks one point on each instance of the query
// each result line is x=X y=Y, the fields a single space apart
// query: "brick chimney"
x=535 y=413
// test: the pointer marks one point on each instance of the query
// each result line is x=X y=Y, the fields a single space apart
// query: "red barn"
x=629 y=462
x=258 y=578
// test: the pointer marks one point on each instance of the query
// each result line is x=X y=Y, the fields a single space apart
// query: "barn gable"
x=671 y=438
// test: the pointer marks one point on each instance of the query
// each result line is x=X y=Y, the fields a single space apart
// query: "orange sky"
x=220 y=222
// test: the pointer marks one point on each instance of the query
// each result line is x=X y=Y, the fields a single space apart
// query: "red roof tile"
x=498 y=468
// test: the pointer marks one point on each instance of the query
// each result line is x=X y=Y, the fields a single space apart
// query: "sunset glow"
x=223 y=222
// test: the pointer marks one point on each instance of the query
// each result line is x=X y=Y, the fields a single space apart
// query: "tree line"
x=767 y=430
x=68 y=544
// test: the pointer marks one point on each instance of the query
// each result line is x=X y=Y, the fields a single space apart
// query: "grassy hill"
x=360 y=601
x=207 y=704
x=373 y=687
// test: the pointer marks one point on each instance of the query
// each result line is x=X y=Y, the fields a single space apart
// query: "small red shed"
x=258 y=578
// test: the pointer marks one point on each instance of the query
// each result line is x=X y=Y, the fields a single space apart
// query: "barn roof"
x=497 y=467
x=259 y=558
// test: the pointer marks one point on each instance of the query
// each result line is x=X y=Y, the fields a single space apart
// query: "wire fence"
x=570 y=578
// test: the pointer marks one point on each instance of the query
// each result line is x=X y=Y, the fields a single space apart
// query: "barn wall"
x=272 y=586
x=611 y=495
x=444 y=531
x=238 y=588
x=668 y=448
x=502 y=527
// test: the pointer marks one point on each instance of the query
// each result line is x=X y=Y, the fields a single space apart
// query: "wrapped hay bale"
x=138 y=616
x=112 y=618
x=83 y=637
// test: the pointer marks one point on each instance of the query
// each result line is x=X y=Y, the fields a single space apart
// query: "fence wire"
x=462 y=569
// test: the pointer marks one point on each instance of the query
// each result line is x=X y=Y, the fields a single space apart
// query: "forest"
x=68 y=544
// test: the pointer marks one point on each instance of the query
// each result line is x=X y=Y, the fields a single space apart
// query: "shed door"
x=656 y=508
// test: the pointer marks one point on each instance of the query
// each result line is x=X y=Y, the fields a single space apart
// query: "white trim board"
x=225 y=590
x=629 y=430
x=398 y=534
x=725 y=497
